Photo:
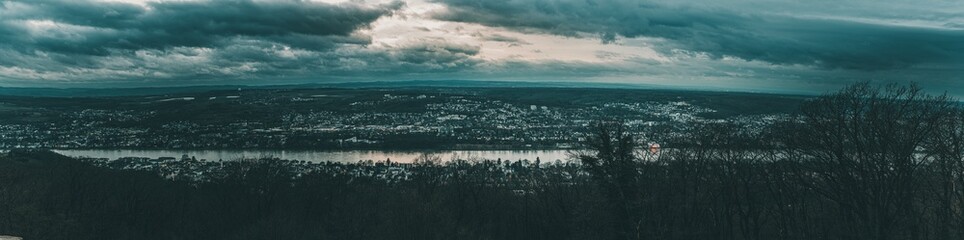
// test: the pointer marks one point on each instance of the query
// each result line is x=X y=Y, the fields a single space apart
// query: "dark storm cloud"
x=97 y=28
x=435 y=53
x=77 y=41
x=502 y=38
x=742 y=30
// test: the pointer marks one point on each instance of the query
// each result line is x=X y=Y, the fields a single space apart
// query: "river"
x=346 y=156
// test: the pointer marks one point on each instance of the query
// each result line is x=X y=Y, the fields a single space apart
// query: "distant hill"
x=34 y=157
x=113 y=92
x=104 y=92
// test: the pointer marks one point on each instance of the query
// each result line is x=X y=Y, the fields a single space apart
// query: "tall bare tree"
x=613 y=163
x=862 y=146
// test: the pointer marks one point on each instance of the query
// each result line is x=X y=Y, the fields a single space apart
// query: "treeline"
x=862 y=163
x=47 y=196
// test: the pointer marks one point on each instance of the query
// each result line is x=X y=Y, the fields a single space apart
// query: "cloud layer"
x=65 y=26
x=768 y=45
x=73 y=40
x=745 y=31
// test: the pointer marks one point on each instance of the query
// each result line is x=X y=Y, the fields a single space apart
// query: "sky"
x=783 y=46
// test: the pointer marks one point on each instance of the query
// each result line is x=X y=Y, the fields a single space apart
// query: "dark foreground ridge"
x=48 y=196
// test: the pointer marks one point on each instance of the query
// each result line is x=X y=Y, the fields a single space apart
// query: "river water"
x=322 y=156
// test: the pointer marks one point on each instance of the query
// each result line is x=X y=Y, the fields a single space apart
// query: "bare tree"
x=429 y=159
x=862 y=146
x=945 y=153
x=613 y=163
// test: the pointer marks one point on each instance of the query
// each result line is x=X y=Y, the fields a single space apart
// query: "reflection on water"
x=322 y=156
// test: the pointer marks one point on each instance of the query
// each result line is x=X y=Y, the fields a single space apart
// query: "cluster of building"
x=442 y=121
